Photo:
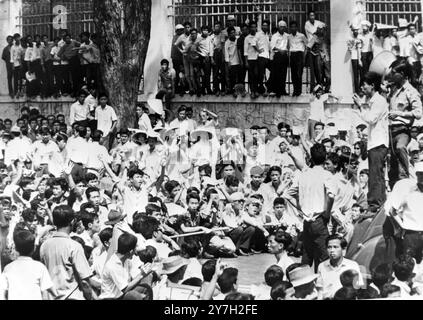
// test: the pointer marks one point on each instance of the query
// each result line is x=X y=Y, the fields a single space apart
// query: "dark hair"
x=207 y=168
x=164 y=61
x=228 y=280
x=279 y=290
x=283 y=125
x=275 y=168
x=279 y=201
x=181 y=108
x=87 y=218
x=105 y=235
x=402 y=67
x=63 y=216
x=373 y=79
x=318 y=154
x=346 y=293
x=388 y=289
x=382 y=274
x=193 y=196
x=191 y=248
x=238 y=296
x=29 y=215
x=266 y=21
x=90 y=176
x=292 y=23
x=206 y=28
x=126 y=243
x=193 y=282
x=361 y=127
x=334 y=158
x=230 y=29
x=284 y=238
x=82 y=131
x=273 y=274
x=187 y=23
x=347 y=278
x=146 y=226
x=363 y=149
x=148 y=254
x=24 y=242
x=151 y=207
x=326 y=140
x=171 y=185
x=321 y=124
x=403 y=267
x=208 y=269
x=344 y=242
x=133 y=172
x=91 y=190
x=364 y=171
x=97 y=135
x=252 y=22
x=232 y=181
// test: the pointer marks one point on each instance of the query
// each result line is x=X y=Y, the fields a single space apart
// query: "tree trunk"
x=123 y=27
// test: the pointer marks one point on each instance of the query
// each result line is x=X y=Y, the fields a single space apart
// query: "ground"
x=252 y=268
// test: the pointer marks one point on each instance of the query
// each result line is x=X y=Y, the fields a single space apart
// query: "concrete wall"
x=240 y=113
x=9 y=25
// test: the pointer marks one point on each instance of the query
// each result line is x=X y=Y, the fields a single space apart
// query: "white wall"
x=9 y=24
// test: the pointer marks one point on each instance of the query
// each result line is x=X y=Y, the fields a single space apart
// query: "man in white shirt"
x=79 y=111
x=205 y=49
x=329 y=271
x=311 y=27
x=404 y=207
x=232 y=60
x=375 y=116
x=316 y=192
x=251 y=52
x=355 y=44
x=263 y=36
x=278 y=245
x=98 y=154
x=297 y=50
x=116 y=277
x=78 y=152
x=44 y=150
x=16 y=58
x=279 y=48
x=106 y=119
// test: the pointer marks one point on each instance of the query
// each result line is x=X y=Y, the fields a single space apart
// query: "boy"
x=25 y=279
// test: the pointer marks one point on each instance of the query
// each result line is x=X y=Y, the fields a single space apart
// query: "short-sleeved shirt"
x=105 y=118
x=115 y=278
x=25 y=279
x=65 y=261
x=329 y=276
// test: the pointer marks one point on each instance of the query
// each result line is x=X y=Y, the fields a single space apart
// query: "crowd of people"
x=147 y=211
x=227 y=54
x=369 y=40
x=37 y=66
x=92 y=212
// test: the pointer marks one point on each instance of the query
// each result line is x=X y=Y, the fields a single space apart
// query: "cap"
x=282 y=23
x=16 y=129
x=366 y=23
x=317 y=88
x=231 y=17
x=256 y=171
x=237 y=196
x=419 y=137
x=403 y=23
x=355 y=27
x=418 y=167
x=179 y=27
x=413 y=146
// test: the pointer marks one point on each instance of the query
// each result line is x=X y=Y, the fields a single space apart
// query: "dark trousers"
x=9 y=70
x=314 y=241
x=279 y=71
x=399 y=169
x=75 y=71
x=242 y=237
x=411 y=243
x=205 y=65
x=235 y=77
x=416 y=72
x=17 y=79
x=178 y=65
x=65 y=79
x=314 y=62
x=47 y=79
x=377 y=190
x=366 y=59
x=57 y=79
x=253 y=74
x=297 y=67
x=219 y=78
x=356 y=75
x=263 y=64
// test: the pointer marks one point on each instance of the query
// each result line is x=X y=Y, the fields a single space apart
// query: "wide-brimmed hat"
x=403 y=23
x=230 y=17
x=179 y=27
x=366 y=23
x=317 y=88
x=413 y=146
x=197 y=133
x=156 y=106
x=302 y=275
x=167 y=132
x=173 y=264
x=15 y=129
x=236 y=196
x=175 y=210
x=230 y=132
x=114 y=217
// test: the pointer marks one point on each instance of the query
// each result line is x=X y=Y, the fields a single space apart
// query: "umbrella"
x=368 y=246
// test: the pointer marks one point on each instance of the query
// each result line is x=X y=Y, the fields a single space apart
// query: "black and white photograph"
x=224 y=151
